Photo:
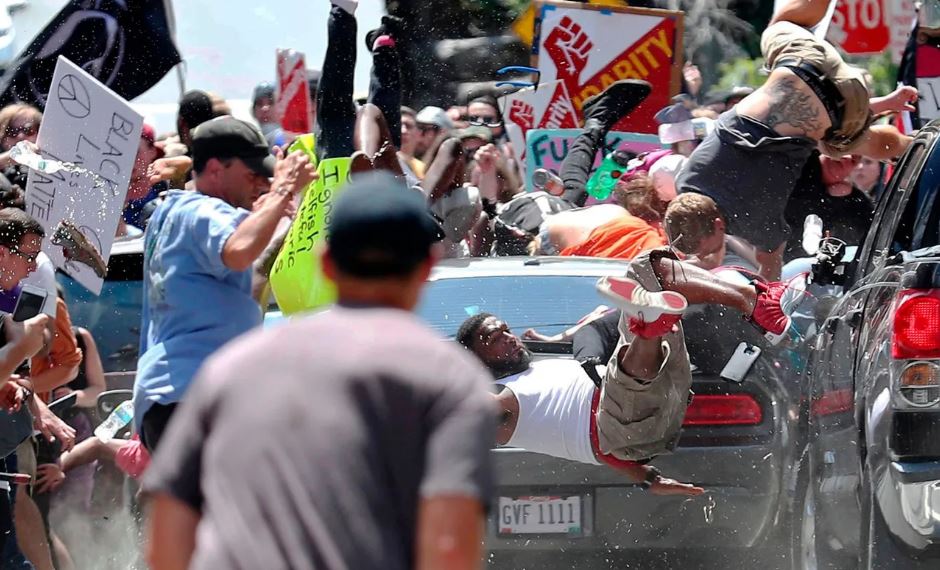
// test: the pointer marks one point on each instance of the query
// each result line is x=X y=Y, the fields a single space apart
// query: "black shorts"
x=153 y=425
x=750 y=172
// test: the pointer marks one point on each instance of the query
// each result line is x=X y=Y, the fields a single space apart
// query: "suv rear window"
x=919 y=226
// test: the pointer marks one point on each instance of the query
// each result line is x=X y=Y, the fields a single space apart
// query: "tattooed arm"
x=791 y=105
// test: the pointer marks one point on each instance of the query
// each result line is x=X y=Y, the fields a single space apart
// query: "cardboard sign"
x=529 y=109
x=546 y=148
x=87 y=124
x=589 y=47
x=293 y=93
x=297 y=279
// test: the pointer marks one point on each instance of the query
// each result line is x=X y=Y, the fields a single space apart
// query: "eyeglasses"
x=428 y=128
x=27 y=256
x=26 y=129
x=484 y=121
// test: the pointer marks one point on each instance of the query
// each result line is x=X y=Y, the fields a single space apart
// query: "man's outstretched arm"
x=882 y=142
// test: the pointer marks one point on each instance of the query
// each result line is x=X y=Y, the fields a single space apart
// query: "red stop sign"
x=861 y=26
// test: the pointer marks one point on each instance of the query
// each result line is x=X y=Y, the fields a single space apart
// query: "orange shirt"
x=64 y=349
x=622 y=238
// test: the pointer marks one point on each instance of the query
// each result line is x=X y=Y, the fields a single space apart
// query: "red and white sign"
x=869 y=27
x=548 y=107
x=293 y=93
x=588 y=47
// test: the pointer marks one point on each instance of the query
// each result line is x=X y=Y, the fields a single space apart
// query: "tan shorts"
x=786 y=40
x=639 y=419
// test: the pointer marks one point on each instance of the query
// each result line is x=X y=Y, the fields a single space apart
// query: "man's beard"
x=503 y=368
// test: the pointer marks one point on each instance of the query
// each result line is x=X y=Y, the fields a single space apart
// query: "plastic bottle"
x=548 y=181
x=812 y=233
x=605 y=177
x=120 y=417
x=22 y=154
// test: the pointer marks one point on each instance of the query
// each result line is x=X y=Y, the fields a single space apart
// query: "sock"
x=348 y=5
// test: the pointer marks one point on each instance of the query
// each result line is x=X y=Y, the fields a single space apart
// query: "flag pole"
x=171 y=21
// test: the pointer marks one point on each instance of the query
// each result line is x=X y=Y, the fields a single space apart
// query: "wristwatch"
x=652 y=475
x=282 y=191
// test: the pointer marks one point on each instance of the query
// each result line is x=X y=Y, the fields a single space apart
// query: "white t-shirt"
x=554 y=398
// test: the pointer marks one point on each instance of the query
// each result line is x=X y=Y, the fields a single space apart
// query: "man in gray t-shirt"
x=355 y=438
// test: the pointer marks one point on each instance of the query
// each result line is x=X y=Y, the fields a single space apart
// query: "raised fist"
x=569 y=47
x=522 y=114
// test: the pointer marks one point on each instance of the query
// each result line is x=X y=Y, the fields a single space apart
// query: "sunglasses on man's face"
x=484 y=121
x=428 y=128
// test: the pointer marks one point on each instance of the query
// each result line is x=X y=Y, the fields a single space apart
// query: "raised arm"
x=248 y=241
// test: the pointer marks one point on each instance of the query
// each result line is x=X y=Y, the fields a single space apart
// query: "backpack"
x=525 y=212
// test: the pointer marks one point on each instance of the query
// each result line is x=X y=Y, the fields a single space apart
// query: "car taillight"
x=729 y=410
x=917 y=325
x=833 y=402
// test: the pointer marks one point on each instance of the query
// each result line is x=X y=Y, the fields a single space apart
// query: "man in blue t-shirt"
x=198 y=254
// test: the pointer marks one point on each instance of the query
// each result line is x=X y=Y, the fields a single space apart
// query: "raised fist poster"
x=586 y=48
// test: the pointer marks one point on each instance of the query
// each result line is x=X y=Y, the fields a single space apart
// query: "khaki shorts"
x=640 y=419
x=785 y=40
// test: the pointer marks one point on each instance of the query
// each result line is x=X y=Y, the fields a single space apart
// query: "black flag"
x=125 y=44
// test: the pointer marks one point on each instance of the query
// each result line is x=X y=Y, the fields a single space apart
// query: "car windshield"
x=549 y=304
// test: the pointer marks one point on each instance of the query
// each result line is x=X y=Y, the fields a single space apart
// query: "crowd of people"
x=385 y=463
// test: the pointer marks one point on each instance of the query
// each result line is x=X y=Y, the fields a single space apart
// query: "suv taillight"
x=729 y=410
x=916 y=339
x=917 y=325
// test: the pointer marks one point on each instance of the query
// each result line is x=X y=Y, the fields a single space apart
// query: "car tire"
x=809 y=551
x=882 y=550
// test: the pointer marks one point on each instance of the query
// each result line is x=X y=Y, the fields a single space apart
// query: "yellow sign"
x=524 y=26
x=297 y=279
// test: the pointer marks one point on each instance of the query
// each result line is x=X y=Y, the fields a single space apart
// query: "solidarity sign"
x=574 y=59
x=91 y=127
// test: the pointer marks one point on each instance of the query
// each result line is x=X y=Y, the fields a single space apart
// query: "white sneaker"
x=635 y=301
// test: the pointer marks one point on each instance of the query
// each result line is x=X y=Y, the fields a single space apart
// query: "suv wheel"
x=808 y=548
x=880 y=549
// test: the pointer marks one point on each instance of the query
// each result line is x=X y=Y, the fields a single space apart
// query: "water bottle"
x=21 y=153
x=548 y=181
x=607 y=174
x=812 y=233
x=120 y=417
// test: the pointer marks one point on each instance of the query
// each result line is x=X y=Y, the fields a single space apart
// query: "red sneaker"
x=768 y=313
x=647 y=314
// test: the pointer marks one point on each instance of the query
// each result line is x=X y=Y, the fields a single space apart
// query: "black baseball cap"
x=381 y=228
x=228 y=137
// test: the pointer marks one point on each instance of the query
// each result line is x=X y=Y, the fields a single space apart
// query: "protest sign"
x=90 y=126
x=297 y=279
x=869 y=27
x=546 y=148
x=540 y=108
x=293 y=93
x=589 y=47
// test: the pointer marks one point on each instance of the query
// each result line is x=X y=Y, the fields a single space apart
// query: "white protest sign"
x=86 y=124
x=547 y=107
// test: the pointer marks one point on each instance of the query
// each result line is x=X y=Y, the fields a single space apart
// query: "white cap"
x=435 y=116
x=663 y=173
x=699 y=128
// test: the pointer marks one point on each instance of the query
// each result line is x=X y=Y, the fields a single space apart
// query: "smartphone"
x=740 y=362
x=30 y=303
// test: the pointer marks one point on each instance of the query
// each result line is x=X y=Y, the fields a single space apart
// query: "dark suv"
x=868 y=493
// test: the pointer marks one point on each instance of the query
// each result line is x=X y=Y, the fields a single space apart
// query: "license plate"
x=540 y=515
